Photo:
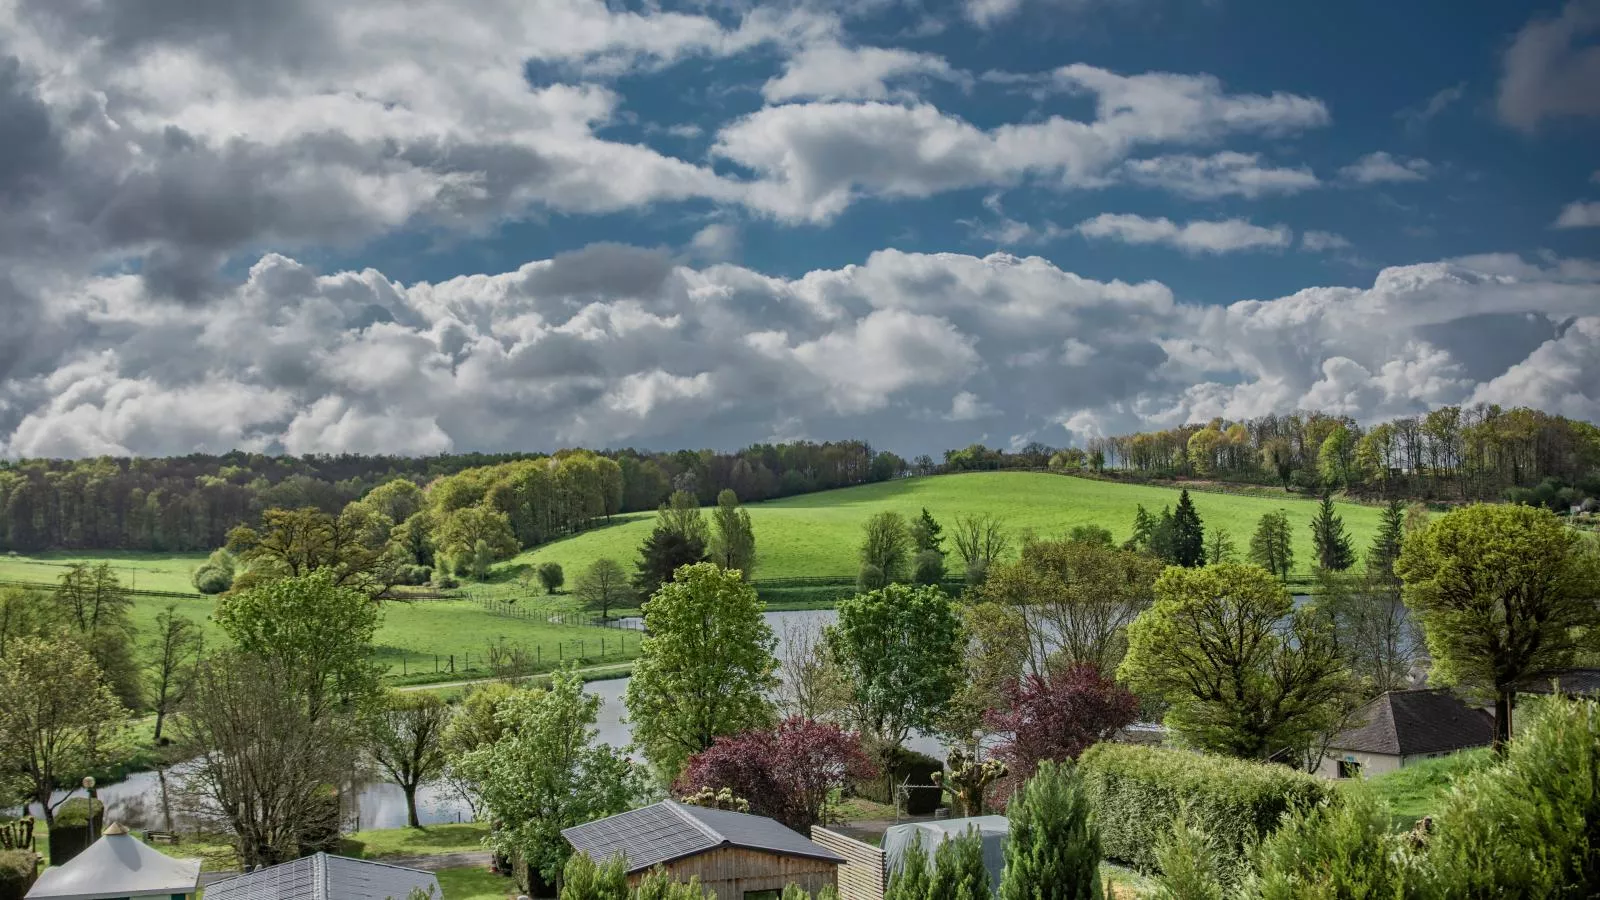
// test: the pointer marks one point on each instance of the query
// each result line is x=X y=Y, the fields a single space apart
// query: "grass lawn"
x=1418 y=789
x=474 y=883
x=817 y=534
x=434 y=839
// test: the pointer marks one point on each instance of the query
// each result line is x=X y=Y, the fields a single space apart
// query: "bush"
x=1190 y=868
x=413 y=575
x=1526 y=826
x=928 y=567
x=209 y=579
x=1340 y=848
x=870 y=578
x=1137 y=793
x=551 y=576
x=71 y=834
x=75 y=813
x=18 y=868
x=1053 y=849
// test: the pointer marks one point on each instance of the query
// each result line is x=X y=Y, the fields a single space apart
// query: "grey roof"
x=1405 y=723
x=665 y=831
x=117 y=865
x=324 y=877
x=1569 y=681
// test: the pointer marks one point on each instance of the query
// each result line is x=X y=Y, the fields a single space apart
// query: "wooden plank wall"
x=862 y=877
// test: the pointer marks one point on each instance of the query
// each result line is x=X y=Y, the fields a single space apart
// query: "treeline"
x=193 y=502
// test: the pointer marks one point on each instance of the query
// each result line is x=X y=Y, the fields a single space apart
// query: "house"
x=1577 y=682
x=118 y=865
x=1400 y=727
x=925 y=838
x=325 y=877
x=740 y=856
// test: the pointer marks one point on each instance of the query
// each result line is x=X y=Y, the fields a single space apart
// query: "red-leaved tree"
x=1057 y=717
x=785 y=774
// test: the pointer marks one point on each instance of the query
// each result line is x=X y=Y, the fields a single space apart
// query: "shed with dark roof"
x=740 y=856
x=1401 y=727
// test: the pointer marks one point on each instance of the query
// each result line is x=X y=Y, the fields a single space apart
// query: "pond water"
x=144 y=799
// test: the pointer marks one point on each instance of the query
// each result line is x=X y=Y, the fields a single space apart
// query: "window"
x=1349 y=768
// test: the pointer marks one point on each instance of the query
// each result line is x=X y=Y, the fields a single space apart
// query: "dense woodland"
x=192 y=502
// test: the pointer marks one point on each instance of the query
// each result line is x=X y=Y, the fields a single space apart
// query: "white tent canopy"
x=927 y=836
x=117 y=865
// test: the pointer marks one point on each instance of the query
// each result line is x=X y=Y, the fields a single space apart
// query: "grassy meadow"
x=817 y=534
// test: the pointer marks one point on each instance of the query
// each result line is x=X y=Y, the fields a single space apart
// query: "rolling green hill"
x=817 y=534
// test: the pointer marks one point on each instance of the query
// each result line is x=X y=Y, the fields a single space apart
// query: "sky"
x=483 y=225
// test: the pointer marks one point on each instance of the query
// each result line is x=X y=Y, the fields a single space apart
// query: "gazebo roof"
x=117 y=865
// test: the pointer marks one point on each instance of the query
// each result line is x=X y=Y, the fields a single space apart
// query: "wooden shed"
x=740 y=856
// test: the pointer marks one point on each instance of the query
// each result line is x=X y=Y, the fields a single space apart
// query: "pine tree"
x=913 y=880
x=1270 y=546
x=1164 y=537
x=927 y=534
x=1188 y=534
x=1331 y=539
x=1053 y=850
x=1386 y=545
x=1143 y=525
x=958 y=870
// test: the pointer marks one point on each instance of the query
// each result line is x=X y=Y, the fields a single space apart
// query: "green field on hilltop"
x=817 y=534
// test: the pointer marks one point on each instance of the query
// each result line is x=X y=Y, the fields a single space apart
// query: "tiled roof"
x=324 y=877
x=1568 y=681
x=1405 y=723
x=668 y=830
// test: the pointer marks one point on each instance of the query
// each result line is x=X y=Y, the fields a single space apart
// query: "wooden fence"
x=863 y=875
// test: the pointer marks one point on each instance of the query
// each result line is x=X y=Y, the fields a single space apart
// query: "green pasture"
x=817 y=534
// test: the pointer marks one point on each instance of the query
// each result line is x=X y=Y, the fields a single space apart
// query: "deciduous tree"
x=1219 y=547
x=405 y=738
x=981 y=539
x=353 y=547
x=1245 y=673
x=789 y=773
x=733 y=538
x=705 y=666
x=1502 y=593
x=551 y=578
x=547 y=772
x=1057 y=716
x=681 y=516
x=1271 y=547
x=886 y=545
x=58 y=717
x=900 y=650
x=603 y=587
x=170 y=660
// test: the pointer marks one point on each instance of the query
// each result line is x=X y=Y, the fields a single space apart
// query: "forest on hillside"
x=192 y=502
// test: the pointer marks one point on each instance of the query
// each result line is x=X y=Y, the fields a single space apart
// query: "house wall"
x=733 y=872
x=1371 y=763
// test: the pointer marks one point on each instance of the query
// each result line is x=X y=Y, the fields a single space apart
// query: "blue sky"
x=522 y=225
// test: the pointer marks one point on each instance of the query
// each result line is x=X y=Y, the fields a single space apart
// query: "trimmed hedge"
x=904 y=766
x=1138 y=791
x=72 y=833
x=18 y=868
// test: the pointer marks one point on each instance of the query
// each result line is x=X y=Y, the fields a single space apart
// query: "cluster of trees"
x=1464 y=453
x=193 y=502
x=894 y=550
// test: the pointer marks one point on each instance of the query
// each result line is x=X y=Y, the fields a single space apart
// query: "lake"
x=140 y=801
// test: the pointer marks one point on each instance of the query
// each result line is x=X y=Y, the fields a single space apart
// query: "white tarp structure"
x=118 y=865
x=927 y=836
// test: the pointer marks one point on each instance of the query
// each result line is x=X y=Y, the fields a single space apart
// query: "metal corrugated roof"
x=665 y=831
x=325 y=877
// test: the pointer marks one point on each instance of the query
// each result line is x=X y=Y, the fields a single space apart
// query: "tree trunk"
x=161 y=718
x=411 y=805
x=1503 y=700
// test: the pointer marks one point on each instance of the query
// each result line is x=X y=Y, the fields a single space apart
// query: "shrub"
x=1137 y=793
x=958 y=870
x=18 y=868
x=928 y=567
x=870 y=578
x=75 y=813
x=1526 y=827
x=551 y=577
x=1053 y=849
x=209 y=579
x=1190 y=868
x=1340 y=849
x=412 y=575
x=583 y=880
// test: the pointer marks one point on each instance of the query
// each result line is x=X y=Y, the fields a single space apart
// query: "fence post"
x=452 y=664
